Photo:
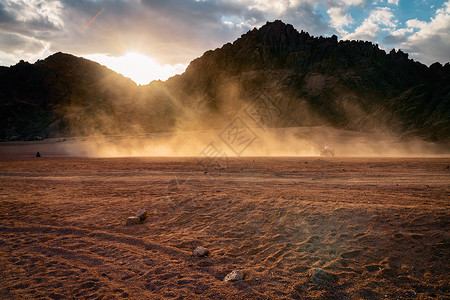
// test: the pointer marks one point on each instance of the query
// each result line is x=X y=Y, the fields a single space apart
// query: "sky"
x=155 y=39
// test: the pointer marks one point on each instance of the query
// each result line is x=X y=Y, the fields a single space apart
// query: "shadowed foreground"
x=380 y=225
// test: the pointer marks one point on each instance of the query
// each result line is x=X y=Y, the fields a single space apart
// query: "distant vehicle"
x=327 y=152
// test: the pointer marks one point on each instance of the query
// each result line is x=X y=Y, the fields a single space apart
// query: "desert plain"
x=299 y=227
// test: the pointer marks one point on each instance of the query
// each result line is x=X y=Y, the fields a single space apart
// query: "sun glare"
x=139 y=68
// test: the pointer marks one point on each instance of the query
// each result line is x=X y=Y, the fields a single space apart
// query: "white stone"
x=234 y=276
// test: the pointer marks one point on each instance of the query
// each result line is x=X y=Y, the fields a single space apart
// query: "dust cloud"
x=235 y=141
x=236 y=122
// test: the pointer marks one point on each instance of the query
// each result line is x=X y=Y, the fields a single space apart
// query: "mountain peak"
x=276 y=32
x=275 y=25
x=60 y=56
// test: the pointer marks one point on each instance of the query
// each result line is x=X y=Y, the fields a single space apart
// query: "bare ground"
x=381 y=225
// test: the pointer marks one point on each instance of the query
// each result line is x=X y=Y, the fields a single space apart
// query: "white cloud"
x=36 y=12
x=383 y=16
x=380 y=18
x=414 y=23
x=352 y=2
x=392 y=2
x=367 y=31
x=431 y=42
x=339 y=19
x=275 y=7
x=397 y=36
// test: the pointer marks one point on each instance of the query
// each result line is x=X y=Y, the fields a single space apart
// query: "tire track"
x=138 y=267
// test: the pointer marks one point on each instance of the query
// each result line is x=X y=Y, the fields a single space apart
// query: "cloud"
x=177 y=31
x=26 y=29
x=32 y=15
x=414 y=23
x=339 y=19
x=397 y=36
x=344 y=3
x=170 y=31
x=379 y=19
x=17 y=43
x=394 y=2
x=431 y=42
x=391 y=2
x=352 y=2
x=16 y=47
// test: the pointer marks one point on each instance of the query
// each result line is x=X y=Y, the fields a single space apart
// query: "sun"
x=138 y=67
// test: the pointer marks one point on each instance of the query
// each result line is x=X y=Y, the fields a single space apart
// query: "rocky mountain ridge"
x=285 y=77
x=320 y=81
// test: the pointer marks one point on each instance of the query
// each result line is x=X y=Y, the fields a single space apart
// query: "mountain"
x=319 y=81
x=65 y=95
x=274 y=76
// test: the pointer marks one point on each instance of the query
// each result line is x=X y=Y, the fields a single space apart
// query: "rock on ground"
x=133 y=220
x=141 y=214
x=201 y=251
x=234 y=276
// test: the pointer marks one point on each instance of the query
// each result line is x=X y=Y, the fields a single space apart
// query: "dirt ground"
x=379 y=227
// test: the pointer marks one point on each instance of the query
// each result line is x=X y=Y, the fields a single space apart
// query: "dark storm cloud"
x=209 y=14
x=201 y=22
x=305 y=18
x=23 y=20
x=199 y=25
x=11 y=41
x=196 y=10
x=24 y=31
x=171 y=31
x=125 y=26
x=5 y=17
x=254 y=14
x=15 y=43
x=393 y=39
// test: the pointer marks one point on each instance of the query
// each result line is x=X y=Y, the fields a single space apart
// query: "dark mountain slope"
x=318 y=81
x=67 y=95
x=284 y=77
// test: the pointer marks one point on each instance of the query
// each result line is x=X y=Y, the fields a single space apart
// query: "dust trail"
x=235 y=121
x=293 y=141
